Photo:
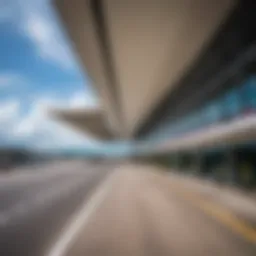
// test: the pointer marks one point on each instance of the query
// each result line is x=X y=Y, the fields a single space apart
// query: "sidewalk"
x=144 y=210
x=241 y=202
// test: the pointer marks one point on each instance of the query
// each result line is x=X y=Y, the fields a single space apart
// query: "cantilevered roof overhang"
x=89 y=121
x=135 y=51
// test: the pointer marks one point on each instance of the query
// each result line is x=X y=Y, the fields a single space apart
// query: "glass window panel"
x=251 y=93
x=232 y=103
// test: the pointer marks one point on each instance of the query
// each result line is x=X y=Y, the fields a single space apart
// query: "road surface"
x=129 y=210
x=36 y=203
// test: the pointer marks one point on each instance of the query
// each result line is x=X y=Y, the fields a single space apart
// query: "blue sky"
x=38 y=71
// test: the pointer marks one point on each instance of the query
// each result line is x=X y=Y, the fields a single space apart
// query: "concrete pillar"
x=232 y=165
x=197 y=162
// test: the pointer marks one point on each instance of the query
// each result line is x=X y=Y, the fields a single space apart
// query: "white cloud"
x=9 y=79
x=39 y=131
x=9 y=111
x=82 y=100
x=45 y=132
x=36 y=128
x=48 y=41
x=36 y=20
x=48 y=133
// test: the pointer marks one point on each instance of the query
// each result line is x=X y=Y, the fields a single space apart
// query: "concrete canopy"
x=136 y=50
x=90 y=121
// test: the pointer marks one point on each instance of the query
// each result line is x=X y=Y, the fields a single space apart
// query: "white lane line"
x=80 y=219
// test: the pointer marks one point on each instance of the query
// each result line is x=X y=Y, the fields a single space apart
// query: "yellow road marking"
x=230 y=220
x=219 y=213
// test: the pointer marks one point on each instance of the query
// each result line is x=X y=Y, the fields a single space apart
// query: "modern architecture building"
x=177 y=77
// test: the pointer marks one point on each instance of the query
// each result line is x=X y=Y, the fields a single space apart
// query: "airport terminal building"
x=178 y=78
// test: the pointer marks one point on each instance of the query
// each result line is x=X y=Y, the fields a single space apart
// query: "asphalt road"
x=36 y=203
x=73 y=209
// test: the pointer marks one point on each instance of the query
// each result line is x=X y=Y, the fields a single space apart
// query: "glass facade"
x=249 y=95
x=238 y=101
